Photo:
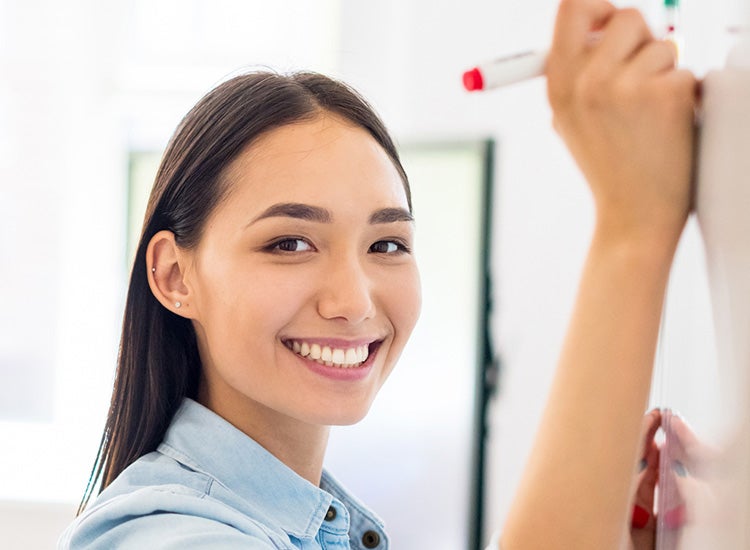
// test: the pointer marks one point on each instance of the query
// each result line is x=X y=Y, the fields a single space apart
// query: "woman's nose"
x=346 y=292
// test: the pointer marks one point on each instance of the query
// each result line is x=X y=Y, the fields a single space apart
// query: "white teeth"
x=315 y=351
x=339 y=357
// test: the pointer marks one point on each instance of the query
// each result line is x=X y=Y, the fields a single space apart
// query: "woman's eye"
x=387 y=247
x=291 y=245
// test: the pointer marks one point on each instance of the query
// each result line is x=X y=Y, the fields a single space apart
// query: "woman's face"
x=304 y=288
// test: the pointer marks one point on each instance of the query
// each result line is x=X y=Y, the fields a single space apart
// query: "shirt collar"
x=205 y=442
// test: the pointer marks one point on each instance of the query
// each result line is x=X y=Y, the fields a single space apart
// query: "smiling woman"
x=331 y=270
x=272 y=292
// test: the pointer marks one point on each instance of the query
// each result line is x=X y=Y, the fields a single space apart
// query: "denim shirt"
x=208 y=485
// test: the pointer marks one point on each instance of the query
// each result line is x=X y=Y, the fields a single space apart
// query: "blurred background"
x=89 y=94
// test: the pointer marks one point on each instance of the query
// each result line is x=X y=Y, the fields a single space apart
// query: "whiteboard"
x=704 y=491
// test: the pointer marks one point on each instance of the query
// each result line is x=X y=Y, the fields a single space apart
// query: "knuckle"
x=568 y=6
x=669 y=50
x=632 y=17
x=665 y=53
x=672 y=102
x=596 y=92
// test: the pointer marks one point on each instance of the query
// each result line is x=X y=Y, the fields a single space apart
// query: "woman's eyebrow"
x=391 y=215
x=295 y=210
x=321 y=215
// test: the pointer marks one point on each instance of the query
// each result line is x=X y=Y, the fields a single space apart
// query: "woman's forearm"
x=576 y=488
x=626 y=114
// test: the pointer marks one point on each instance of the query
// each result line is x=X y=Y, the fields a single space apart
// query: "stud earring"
x=153 y=270
x=178 y=305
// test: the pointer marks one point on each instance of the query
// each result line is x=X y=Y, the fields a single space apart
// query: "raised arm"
x=626 y=114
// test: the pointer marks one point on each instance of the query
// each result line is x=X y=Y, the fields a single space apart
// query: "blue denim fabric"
x=209 y=485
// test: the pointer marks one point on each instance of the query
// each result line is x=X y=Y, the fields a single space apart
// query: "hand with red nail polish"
x=642 y=520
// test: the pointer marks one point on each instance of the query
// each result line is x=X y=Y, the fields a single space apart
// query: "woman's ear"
x=166 y=263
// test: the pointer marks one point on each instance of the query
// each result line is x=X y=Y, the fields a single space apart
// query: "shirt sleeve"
x=167 y=521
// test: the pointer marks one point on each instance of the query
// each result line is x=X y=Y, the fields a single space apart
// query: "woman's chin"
x=347 y=416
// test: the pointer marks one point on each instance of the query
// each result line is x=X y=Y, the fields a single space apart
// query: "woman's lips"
x=341 y=360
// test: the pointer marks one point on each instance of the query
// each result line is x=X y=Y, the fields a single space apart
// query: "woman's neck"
x=299 y=445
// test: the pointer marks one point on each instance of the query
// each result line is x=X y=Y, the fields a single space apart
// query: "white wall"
x=33 y=525
x=61 y=180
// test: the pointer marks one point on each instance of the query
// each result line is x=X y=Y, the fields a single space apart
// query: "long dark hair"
x=158 y=363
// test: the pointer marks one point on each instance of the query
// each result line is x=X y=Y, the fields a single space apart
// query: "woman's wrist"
x=654 y=242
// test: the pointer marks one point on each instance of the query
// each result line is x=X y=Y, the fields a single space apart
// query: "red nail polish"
x=675 y=518
x=640 y=517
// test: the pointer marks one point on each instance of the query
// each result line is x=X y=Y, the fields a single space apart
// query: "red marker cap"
x=473 y=80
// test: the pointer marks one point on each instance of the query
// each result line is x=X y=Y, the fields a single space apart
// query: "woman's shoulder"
x=159 y=472
x=158 y=499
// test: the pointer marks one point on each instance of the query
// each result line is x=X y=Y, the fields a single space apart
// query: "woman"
x=274 y=285
x=274 y=288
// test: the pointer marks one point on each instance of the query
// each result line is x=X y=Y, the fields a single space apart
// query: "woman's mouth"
x=331 y=356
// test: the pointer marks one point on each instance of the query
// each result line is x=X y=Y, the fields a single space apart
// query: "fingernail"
x=679 y=468
x=640 y=517
x=675 y=518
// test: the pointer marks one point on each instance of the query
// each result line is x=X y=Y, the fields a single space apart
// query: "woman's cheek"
x=407 y=303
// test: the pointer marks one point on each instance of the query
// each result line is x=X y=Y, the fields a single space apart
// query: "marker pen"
x=512 y=68
x=523 y=66
x=505 y=71
x=672 y=21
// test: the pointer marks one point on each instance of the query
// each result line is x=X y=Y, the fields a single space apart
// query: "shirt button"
x=330 y=514
x=371 y=539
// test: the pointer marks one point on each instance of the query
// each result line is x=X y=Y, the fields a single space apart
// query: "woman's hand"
x=686 y=483
x=626 y=114
x=643 y=519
